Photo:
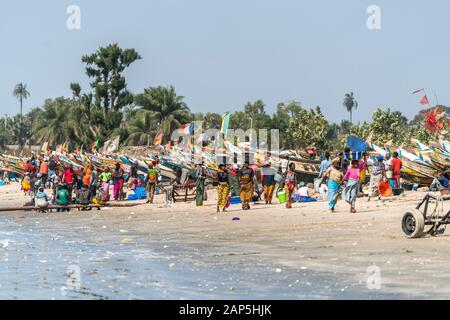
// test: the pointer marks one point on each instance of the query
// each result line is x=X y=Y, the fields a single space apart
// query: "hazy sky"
x=221 y=54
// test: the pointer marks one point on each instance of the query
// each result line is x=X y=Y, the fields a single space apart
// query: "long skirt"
x=351 y=192
x=117 y=189
x=222 y=195
x=268 y=193
x=105 y=186
x=234 y=186
x=374 y=182
x=289 y=189
x=246 y=194
x=199 y=192
x=333 y=189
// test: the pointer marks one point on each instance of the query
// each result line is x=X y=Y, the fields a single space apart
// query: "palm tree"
x=141 y=127
x=21 y=93
x=52 y=124
x=350 y=103
x=169 y=110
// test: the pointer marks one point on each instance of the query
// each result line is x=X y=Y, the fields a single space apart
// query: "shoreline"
x=270 y=253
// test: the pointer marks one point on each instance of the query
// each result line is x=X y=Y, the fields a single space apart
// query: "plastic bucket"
x=385 y=189
x=281 y=196
x=235 y=200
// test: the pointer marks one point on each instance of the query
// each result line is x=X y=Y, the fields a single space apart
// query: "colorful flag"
x=424 y=100
x=95 y=145
x=225 y=123
x=417 y=91
x=158 y=139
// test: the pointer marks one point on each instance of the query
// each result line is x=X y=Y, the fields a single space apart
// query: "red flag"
x=417 y=91
x=424 y=100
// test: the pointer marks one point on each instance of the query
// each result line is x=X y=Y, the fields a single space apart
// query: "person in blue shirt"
x=326 y=163
x=41 y=199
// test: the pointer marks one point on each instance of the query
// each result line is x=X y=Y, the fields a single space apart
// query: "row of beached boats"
x=421 y=164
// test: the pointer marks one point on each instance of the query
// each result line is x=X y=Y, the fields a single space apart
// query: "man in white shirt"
x=303 y=190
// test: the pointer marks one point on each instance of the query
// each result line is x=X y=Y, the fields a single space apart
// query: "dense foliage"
x=111 y=110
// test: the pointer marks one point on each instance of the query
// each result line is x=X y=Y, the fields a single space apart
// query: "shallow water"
x=49 y=259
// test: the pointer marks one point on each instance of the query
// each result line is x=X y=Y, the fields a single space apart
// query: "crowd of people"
x=90 y=187
x=338 y=177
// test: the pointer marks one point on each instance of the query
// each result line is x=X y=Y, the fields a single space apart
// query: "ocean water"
x=45 y=259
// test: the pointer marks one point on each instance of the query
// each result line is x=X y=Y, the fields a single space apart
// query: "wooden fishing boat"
x=305 y=166
x=419 y=169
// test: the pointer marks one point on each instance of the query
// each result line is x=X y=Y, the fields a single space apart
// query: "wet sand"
x=184 y=252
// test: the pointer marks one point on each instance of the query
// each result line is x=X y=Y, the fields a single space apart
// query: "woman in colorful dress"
x=335 y=177
x=200 y=184
x=352 y=182
x=118 y=181
x=246 y=177
x=105 y=178
x=290 y=184
x=223 y=188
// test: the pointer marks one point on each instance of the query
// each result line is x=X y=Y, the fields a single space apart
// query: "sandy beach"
x=182 y=252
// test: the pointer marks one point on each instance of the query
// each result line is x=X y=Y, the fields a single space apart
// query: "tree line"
x=108 y=109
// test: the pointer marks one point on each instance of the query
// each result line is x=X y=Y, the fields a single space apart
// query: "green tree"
x=53 y=124
x=141 y=127
x=350 y=103
x=281 y=119
x=106 y=67
x=21 y=93
x=308 y=128
x=169 y=109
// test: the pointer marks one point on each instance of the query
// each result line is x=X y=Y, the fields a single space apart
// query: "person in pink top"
x=352 y=181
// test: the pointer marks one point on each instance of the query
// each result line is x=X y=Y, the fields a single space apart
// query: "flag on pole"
x=225 y=123
x=95 y=145
x=424 y=100
x=158 y=139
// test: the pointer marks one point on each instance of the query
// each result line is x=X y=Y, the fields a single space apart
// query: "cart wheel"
x=413 y=224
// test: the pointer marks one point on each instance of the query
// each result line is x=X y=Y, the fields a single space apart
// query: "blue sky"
x=221 y=54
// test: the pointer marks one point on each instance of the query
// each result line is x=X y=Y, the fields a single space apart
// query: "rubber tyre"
x=413 y=224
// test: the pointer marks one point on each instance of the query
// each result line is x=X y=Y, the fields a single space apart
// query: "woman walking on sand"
x=200 y=184
x=290 y=184
x=105 y=177
x=352 y=181
x=334 y=175
x=377 y=175
x=246 y=177
x=223 y=188
x=118 y=180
